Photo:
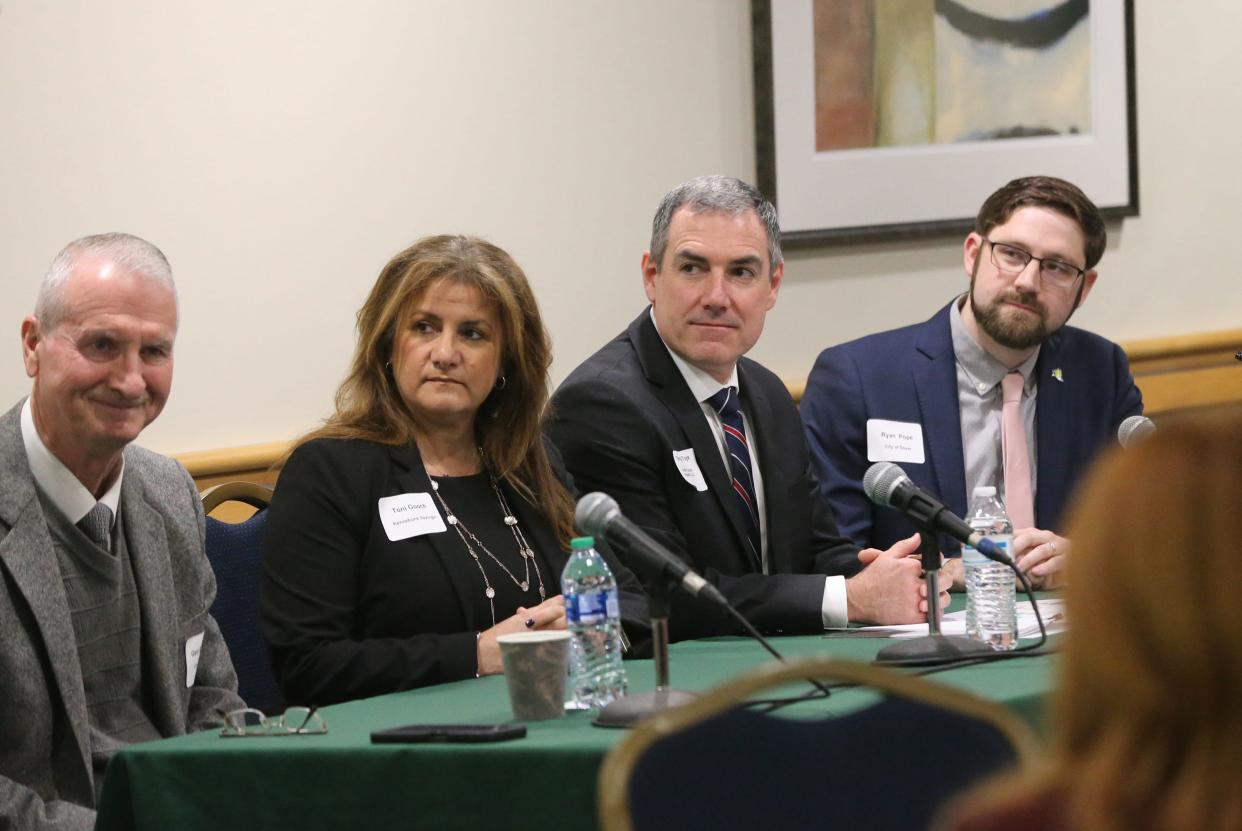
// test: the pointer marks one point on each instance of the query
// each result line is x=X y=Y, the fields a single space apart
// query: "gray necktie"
x=98 y=526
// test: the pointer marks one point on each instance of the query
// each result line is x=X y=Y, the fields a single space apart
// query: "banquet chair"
x=716 y=763
x=235 y=550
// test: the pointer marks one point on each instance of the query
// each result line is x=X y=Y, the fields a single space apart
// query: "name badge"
x=894 y=441
x=410 y=515
x=193 y=651
x=689 y=468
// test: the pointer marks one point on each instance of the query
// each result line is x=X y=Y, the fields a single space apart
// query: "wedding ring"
x=1053 y=545
x=530 y=623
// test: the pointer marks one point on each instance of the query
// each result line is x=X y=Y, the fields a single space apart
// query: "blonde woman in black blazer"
x=427 y=516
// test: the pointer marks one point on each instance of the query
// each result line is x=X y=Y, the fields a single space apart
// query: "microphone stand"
x=932 y=648
x=629 y=709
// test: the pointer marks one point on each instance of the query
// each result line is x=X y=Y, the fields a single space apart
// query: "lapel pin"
x=1056 y=373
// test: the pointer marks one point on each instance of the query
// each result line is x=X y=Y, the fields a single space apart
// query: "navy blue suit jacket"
x=910 y=374
x=617 y=420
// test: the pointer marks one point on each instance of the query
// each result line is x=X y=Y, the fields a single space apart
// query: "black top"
x=476 y=507
x=351 y=613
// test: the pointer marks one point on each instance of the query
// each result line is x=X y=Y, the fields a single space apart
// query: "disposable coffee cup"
x=535 y=664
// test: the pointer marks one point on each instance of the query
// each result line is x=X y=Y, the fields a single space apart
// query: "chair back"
x=890 y=765
x=235 y=551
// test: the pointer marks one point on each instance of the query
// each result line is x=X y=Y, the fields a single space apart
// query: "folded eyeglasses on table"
x=295 y=721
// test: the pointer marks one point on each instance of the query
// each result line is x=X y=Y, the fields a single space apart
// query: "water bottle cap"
x=985 y=490
x=581 y=543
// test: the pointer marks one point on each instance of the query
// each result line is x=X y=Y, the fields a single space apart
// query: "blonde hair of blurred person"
x=1147 y=731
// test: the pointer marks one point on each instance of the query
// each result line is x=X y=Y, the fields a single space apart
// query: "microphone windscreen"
x=593 y=513
x=880 y=480
x=1136 y=428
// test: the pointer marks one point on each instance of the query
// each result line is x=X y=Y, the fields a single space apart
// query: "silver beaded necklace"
x=467 y=537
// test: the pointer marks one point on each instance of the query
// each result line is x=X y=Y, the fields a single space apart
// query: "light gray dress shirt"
x=979 y=401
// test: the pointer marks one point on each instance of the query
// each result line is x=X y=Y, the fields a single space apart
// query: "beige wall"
x=281 y=150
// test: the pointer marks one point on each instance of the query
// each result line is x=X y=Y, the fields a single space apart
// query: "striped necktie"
x=728 y=406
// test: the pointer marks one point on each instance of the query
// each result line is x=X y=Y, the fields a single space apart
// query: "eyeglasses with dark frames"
x=295 y=721
x=1011 y=260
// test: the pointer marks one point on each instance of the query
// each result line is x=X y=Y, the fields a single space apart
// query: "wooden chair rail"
x=1178 y=375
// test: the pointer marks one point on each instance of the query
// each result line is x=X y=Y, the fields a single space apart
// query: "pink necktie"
x=1018 y=502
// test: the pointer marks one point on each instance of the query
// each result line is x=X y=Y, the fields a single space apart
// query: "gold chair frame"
x=618 y=766
x=255 y=495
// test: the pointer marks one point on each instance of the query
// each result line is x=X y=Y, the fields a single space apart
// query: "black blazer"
x=349 y=613
x=617 y=420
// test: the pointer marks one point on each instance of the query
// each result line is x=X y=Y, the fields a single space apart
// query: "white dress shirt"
x=57 y=482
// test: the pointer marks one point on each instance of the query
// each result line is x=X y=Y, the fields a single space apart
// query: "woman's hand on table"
x=550 y=614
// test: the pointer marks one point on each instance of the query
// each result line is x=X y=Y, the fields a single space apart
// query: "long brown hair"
x=507 y=425
x=1149 y=729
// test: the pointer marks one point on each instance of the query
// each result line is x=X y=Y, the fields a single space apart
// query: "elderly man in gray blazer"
x=104 y=583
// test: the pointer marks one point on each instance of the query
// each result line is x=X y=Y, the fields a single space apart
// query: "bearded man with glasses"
x=994 y=389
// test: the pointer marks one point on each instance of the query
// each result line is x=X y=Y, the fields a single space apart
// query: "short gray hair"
x=134 y=254
x=715 y=194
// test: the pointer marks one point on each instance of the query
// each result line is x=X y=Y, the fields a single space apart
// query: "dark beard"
x=1010 y=330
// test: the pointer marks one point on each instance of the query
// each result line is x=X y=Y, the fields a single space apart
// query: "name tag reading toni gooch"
x=894 y=441
x=410 y=515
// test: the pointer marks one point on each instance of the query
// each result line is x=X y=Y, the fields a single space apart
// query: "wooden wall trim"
x=203 y=463
x=1176 y=374
x=1184 y=345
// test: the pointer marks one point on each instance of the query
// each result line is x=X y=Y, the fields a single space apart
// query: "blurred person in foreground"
x=105 y=635
x=428 y=515
x=1147 y=731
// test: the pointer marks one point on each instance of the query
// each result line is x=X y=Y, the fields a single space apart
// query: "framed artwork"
x=880 y=119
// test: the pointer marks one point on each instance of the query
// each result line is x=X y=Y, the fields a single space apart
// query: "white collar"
x=57 y=482
x=702 y=385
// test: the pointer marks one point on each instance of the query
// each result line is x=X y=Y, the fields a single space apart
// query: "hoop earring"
x=501 y=383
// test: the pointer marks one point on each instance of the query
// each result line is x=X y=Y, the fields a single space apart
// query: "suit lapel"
x=1054 y=404
x=660 y=370
x=27 y=554
x=935 y=383
x=163 y=664
x=412 y=478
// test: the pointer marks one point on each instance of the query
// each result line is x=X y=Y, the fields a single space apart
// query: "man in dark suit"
x=993 y=390
x=703 y=448
x=104 y=584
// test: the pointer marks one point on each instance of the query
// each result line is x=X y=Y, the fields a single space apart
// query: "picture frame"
x=904 y=189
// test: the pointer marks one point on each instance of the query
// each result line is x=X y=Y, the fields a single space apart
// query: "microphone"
x=599 y=515
x=887 y=484
x=1135 y=429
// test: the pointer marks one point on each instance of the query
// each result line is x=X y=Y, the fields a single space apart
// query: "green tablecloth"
x=341 y=780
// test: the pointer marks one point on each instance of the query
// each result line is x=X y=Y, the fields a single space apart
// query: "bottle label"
x=591 y=607
x=972 y=556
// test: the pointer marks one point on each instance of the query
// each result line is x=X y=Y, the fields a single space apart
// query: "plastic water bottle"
x=593 y=615
x=989 y=585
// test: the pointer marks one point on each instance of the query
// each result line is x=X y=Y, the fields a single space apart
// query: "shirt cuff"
x=835 y=609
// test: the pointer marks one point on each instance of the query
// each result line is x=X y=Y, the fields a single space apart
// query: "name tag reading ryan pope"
x=410 y=515
x=894 y=441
